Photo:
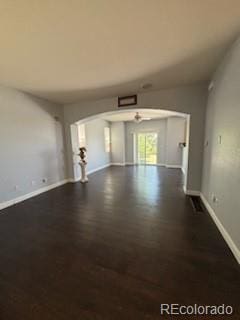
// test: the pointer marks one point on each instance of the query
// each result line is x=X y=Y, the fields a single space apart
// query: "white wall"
x=170 y=132
x=118 y=142
x=158 y=126
x=185 y=151
x=96 y=155
x=175 y=134
x=221 y=170
x=188 y=99
x=31 y=144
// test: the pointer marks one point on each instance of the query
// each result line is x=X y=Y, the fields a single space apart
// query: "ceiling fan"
x=137 y=118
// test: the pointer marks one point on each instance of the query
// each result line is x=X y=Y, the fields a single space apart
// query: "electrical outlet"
x=214 y=199
x=16 y=188
x=219 y=139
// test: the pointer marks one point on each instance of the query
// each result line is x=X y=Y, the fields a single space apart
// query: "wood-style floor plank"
x=114 y=248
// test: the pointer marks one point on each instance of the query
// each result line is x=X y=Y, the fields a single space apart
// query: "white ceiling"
x=144 y=113
x=65 y=50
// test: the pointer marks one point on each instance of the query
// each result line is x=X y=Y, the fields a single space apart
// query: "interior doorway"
x=155 y=140
x=147 y=148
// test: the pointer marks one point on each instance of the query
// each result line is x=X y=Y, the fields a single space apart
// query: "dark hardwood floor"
x=115 y=248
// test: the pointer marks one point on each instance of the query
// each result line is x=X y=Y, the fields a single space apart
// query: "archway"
x=190 y=100
x=156 y=114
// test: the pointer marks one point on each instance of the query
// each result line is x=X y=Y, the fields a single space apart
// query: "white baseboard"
x=118 y=164
x=223 y=231
x=173 y=166
x=161 y=164
x=9 y=203
x=137 y=164
x=191 y=192
x=72 y=180
x=98 y=168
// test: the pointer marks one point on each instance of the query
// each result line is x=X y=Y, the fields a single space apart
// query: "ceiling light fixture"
x=138 y=118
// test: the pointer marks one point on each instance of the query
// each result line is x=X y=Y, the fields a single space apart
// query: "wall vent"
x=197 y=204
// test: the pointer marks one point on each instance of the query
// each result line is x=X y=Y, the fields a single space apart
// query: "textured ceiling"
x=67 y=50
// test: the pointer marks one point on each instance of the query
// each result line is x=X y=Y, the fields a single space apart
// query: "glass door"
x=147 y=148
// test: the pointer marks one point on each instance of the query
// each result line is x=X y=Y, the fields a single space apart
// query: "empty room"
x=119 y=159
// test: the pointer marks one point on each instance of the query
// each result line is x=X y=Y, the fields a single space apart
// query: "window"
x=107 y=139
x=147 y=148
x=81 y=135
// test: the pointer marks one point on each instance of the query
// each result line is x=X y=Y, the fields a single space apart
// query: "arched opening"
x=158 y=138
